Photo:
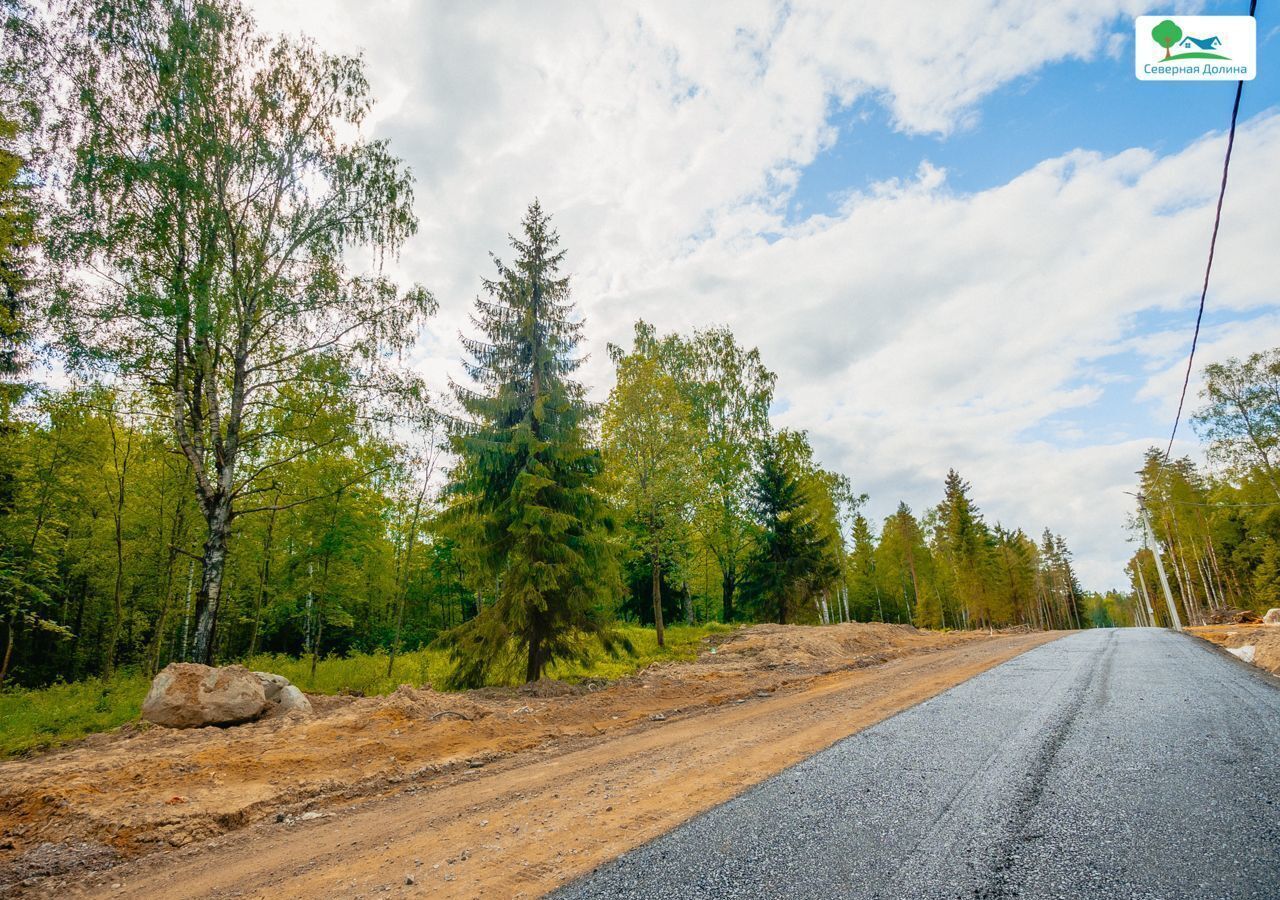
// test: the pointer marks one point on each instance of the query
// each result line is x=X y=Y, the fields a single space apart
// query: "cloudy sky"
x=962 y=235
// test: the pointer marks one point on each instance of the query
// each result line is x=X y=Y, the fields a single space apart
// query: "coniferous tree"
x=525 y=489
x=964 y=541
x=865 y=600
x=21 y=84
x=904 y=558
x=791 y=552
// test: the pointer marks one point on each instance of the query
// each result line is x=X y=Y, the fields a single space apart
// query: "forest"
x=211 y=445
x=1218 y=528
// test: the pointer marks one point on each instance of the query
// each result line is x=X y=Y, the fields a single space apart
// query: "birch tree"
x=215 y=183
x=649 y=452
x=1241 y=417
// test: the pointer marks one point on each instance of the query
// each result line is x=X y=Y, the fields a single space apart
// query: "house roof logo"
x=1169 y=35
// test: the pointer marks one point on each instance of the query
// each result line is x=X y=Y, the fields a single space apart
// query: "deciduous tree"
x=216 y=181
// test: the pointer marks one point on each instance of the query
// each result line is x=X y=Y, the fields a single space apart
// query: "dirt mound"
x=804 y=648
x=1265 y=640
x=141 y=789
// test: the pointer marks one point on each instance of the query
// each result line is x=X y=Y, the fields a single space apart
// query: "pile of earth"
x=1264 y=639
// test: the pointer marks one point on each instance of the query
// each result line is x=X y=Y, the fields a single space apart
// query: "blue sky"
x=963 y=234
x=1095 y=105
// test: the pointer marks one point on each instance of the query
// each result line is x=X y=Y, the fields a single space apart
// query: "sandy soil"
x=496 y=793
x=1265 y=640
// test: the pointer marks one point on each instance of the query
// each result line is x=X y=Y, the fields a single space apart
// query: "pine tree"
x=791 y=553
x=906 y=559
x=865 y=601
x=966 y=543
x=524 y=492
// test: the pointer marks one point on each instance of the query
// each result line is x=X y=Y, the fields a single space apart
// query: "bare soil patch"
x=1265 y=639
x=502 y=792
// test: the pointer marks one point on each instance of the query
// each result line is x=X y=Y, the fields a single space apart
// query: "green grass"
x=37 y=719
x=33 y=720
x=682 y=643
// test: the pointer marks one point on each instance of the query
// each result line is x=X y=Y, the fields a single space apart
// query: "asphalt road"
x=1132 y=763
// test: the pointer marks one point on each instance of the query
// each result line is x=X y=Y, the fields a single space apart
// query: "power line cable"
x=1213 y=241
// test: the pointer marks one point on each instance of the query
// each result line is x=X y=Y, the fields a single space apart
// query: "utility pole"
x=1146 y=598
x=1155 y=551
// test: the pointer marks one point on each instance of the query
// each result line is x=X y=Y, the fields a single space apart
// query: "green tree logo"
x=1166 y=34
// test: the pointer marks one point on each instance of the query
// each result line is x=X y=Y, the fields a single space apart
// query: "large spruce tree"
x=792 y=556
x=524 y=492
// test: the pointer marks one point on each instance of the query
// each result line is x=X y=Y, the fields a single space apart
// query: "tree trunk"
x=215 y=560
x=320 y=604
x=656 y=567
x=264 y=576
x=915 y=586
x=402 y=574
x=533 y=671
x=728 y=584
x=8 y=654
x=117 y=610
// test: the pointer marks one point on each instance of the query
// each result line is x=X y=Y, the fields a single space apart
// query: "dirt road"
x=505 y=802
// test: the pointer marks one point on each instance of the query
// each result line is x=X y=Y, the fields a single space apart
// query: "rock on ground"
x=290 y=699
x=272 y=684
x=189 y=695
x=50 y=858
x=1272 y=617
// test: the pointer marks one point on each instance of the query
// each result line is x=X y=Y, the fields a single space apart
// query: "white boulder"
x=1272 y=617
x=272 y=684
x=291 y=699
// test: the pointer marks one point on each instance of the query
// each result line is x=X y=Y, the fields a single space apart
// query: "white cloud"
x=912 y=330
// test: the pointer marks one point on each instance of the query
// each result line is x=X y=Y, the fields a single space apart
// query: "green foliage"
x=907 y=582
x=213 y=193
x=259 y=478
x=22 y=76
x=524 y=496
x=795 y=558
x=1218 y=532
x=1241 y=417
x=36 y=720
x=650 y=440
x=1166 y=34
